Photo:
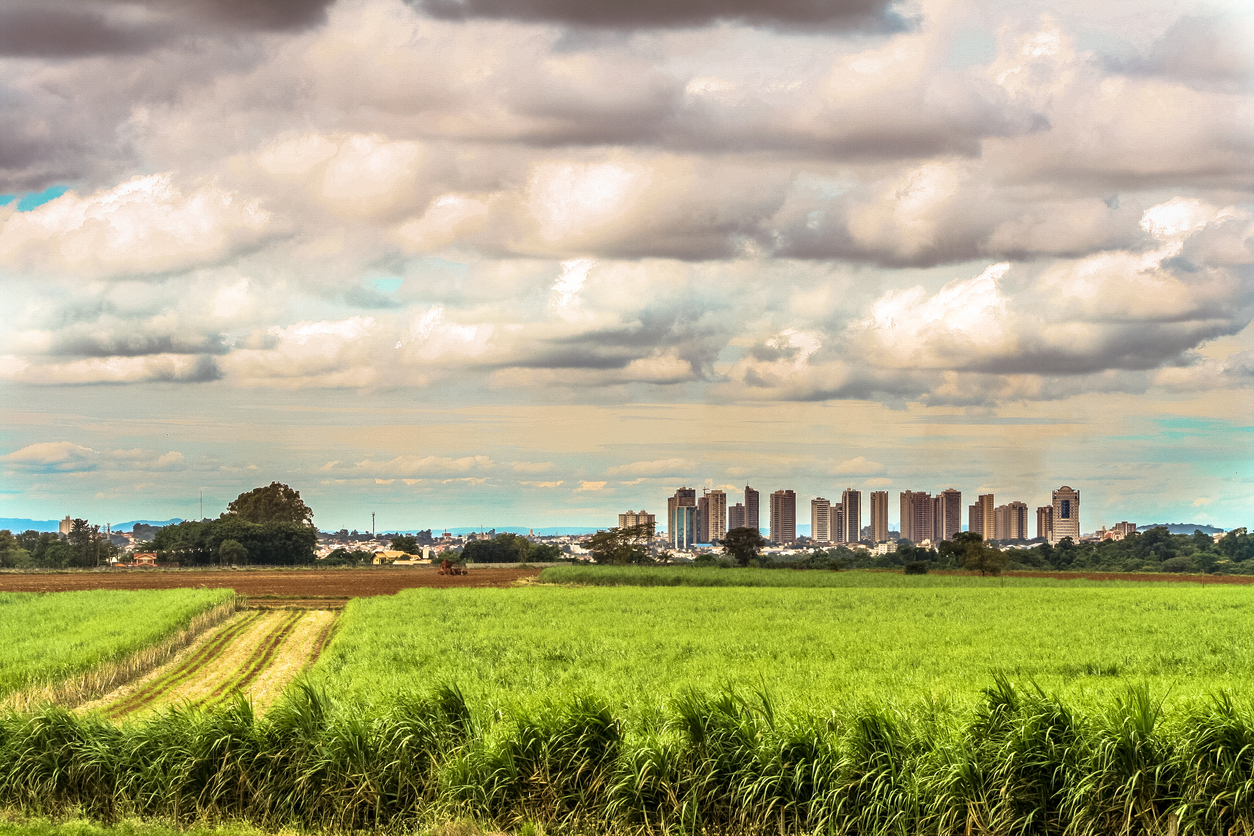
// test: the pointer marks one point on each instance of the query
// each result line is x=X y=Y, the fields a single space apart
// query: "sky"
x=539 y=262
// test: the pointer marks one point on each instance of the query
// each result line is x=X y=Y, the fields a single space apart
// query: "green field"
x=939 y=640
x=886 y=706
x=53 y=636
x=810 y=579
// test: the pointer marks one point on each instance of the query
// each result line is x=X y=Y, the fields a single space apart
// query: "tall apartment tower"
x=838 y=523
x=752 y=520
x=783 y=517
x=683 y=498
x=820 y=520
x=917 y=516
x=66 y=526
x=1066 y=515
x=682 y=527
x=879 y=516
x=703 y=518
x=950 y=522
x=717 y=511
x=1045 y=522
x=736 y=516
x=982 y=517
x=1018 y=520
x=851 y=500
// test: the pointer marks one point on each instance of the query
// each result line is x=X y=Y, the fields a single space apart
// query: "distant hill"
x=18 y=524
x=1181 y=528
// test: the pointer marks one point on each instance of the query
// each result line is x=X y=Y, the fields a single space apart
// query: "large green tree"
x=274 y=503
x=621 y=546
x=743 y=544
x=970 y=550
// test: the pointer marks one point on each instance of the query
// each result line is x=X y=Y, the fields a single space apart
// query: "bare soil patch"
x=314 y=585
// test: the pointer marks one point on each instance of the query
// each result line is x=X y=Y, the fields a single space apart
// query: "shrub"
x=917 y=567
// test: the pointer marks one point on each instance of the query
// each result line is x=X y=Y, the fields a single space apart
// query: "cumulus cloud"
x=145 y=225
x=656 y=467
x=68 y=457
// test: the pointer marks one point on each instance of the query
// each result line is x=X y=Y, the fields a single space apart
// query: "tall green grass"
x=51 y=637
x=720 y=576
x=638 y=648
x=727 y=762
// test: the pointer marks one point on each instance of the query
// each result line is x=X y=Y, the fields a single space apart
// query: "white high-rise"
x=820 y=520
x=1066 y=516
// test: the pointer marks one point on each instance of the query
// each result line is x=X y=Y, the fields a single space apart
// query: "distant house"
x=145 y=559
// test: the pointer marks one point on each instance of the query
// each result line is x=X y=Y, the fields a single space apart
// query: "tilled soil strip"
x=293 y=657
x=254 y=664
x=162 y=683
x=211 y=672
x=324 y=638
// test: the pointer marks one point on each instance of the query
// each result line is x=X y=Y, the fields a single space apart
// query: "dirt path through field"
x=256 y=653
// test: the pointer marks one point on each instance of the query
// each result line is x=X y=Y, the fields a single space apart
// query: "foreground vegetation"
x=50 y=638
x=636 y=648
x=1021 y=762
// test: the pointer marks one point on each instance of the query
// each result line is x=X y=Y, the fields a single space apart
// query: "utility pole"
x=202 y=505
x=372 y=532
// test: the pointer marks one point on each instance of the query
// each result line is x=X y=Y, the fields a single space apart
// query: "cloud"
x=61 y=29
x=68 y=457
x=590 y=487
x=143 y=226
x=858 y=466
x=875 y=15
x=656 y=467
x=412 y=466
x=556 y=484
x=531 y=467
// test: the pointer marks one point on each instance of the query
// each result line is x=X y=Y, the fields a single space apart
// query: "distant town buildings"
x=1066 y=519
x=1118 y=531
x=636 y=518
x=783 y=517
x=879 y=516
x=1010 y=521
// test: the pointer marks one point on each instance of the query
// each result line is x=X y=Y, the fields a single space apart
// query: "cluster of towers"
x=693 y=519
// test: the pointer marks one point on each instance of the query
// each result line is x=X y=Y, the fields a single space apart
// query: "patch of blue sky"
x=386 y=284
x=1185 y=425
x=6 y=199
x=33 y=200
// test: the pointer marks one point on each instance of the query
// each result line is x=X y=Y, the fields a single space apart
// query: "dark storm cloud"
x=873 y=15
x=105 y=27
x=136 y=344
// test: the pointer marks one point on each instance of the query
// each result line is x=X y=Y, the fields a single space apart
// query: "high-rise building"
x=1001 y=522
x=837 y=522
x=717 y=511
x=917 y=511
x=1017 y=519
x=783 y=517
x=635 y=518
x=879 y=516
x=950 y=512
x=1125 y=528
x=1066 y=515
x=682 y=529
x=852 y=501
x=752 y=520
x=820 y=520
x=703 y=518
x=938 y=519
x=66 y=526
x=982 y=517
x=1045 y=522
x=683 y=498
x=736 y=516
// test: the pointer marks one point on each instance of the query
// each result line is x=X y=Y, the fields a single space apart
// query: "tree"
x=274 y=503
x=233 y=552
x=407 y=543
x=621 y=546
x=743 y=544
x=970 y=549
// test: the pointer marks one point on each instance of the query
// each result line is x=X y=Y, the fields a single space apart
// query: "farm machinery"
x=448 y=567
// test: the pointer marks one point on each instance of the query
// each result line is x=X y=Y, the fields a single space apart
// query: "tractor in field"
x=448 y=567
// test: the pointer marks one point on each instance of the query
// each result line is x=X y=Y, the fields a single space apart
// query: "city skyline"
x=533 y=264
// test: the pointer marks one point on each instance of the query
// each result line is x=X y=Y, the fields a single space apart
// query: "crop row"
x=256 y=662
x=1022 y=763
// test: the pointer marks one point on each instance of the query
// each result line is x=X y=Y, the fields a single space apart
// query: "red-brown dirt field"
x=263 y=583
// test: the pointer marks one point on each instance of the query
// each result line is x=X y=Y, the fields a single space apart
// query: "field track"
x=320 y=588
x=256 y=653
